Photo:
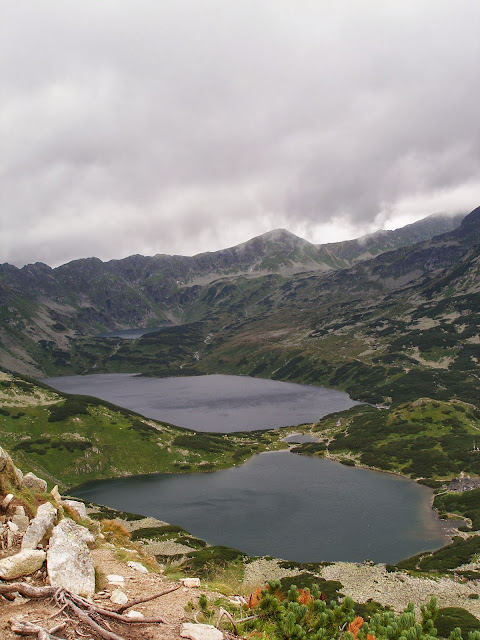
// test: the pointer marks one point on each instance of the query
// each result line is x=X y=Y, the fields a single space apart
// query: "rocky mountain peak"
x=473 y=218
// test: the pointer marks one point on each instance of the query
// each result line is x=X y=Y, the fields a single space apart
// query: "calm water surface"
x=130 y=334
x=211 y=403
x=287 y=506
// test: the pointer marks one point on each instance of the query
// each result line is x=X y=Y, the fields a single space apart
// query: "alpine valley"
x=399 y=330
x=392 y=319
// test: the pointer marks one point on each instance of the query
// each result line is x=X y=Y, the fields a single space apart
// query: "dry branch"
x=124 y=607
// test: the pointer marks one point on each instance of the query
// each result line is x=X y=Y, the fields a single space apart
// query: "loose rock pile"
x=48 y=536
x=49 y=555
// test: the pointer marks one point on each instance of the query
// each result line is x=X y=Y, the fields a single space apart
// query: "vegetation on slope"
x=71 y=439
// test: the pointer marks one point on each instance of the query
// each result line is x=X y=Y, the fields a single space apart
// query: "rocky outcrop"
x=69 y=563
x=464 y=483
x=4 y=458
x=31 y=481
x=78 y=508
x=10 y=476
x=40 y=527
x=21 y=564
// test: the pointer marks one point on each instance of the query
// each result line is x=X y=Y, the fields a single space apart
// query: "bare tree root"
x=88 y=612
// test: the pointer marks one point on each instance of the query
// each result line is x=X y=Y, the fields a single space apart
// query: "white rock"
x=115 y=579
x=22 y=522
x=118 y=597
x=6 y=501
x=19 y=510
x=77 y=507
x=31 y=481
x=134 y=614
x=200 y=631
x=21 y=564
x=12 y=526
x=191 y=582
x=40 y=527
x=138 y=566
x=69 y=563
x=55 y=493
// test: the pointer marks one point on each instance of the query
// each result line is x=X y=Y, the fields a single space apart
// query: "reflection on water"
x=211 y=403
x=288 y=506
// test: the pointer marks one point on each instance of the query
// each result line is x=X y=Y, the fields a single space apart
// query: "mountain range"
x=361 y=315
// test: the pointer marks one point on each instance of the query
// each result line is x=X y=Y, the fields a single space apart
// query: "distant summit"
x=45 y=309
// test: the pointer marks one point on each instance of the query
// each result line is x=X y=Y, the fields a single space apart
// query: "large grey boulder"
x=31 y=481
x=21 y=564
x=69 y=563
x=40 y=527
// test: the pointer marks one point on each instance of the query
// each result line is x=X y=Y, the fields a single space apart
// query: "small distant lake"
x=130 y=334
x=215 y=403
x=287 y=506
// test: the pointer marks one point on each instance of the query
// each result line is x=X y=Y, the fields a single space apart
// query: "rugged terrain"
x=44 y=311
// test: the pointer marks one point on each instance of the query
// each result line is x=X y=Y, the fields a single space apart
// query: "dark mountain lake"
x=217 y=403
x=130 y=334
x=287 y=506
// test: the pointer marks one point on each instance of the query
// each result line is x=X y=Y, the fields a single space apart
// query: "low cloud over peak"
x=187 y=127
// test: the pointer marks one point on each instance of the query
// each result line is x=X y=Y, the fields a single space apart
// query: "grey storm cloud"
x=180 y=127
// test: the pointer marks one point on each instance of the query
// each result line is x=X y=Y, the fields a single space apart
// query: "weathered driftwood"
x=88 y=612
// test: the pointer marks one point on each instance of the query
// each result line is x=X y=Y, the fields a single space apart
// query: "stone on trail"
x=69 y=563
x=138 y=566
x=118 y=597
x=191 y=582
x=30 y=481
x=113 y=578
x=21 y=564
x=200 y=631
x=134 y=614
x=40 y=527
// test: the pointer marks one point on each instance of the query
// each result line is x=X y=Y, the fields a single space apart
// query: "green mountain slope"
x=44 y=311
x=71 y=439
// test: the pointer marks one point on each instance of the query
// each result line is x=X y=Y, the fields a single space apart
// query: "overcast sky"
x=161 y=126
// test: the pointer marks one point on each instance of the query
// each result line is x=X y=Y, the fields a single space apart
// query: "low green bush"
x=449 y=618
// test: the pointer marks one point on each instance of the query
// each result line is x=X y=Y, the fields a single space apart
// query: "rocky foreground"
x=57 y=559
